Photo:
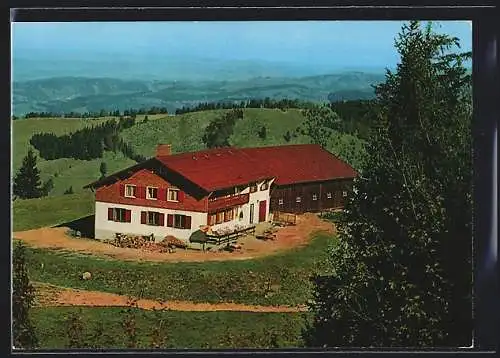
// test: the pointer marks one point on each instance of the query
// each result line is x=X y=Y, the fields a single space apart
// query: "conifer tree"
x=23 y=296
x=401 y=272
x=27 y=183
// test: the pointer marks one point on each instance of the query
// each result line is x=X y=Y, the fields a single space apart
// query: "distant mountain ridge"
x=81 y=94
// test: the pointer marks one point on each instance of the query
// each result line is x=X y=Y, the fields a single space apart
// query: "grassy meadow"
x=194 y=330
x=281 y=279
x=51 y=211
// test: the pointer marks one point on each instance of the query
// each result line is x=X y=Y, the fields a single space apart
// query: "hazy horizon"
x=287 y=48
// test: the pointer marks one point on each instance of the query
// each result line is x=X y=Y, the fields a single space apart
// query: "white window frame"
x=173 y=190
x=344 y=194
x=127 y=186
x=315 y=197
x=280 y=201
x=329 y=195
x=147 y=193
x=153 y=214
x=298 y=199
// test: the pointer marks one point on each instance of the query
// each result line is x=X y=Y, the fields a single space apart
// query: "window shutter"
x=188 y=222
x=110 y=213
x=162 y=194
x=128 y=216
x=170 y=220
x=141 y=192
x=162 y=219
x=143 y=217
x=122 y=189
x=181 y=196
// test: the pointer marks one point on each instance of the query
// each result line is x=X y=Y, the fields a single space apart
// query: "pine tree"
x=27 y=183
x=401 y=272
x=103 y=169
x=23 y=296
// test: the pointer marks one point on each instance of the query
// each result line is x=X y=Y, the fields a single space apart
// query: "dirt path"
x=53 y=296
x=286 y=238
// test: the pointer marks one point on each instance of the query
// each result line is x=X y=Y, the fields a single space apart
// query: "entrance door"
x=251 y=213
x=262 y=210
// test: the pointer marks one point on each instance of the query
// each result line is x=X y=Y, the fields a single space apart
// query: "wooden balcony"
x=227 y=202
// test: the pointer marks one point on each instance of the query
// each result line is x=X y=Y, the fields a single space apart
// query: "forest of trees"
x=86 y=144
x=219 y=130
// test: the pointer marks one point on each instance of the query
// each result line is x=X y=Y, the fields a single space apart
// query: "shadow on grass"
x=85 y=225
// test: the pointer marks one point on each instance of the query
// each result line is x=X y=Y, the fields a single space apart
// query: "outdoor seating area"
x=227 y=235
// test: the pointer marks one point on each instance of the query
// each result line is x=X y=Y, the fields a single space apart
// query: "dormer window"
x=173 y=195
x=151 y=193
x=253 y=188
x=264 y=186
x=130 y=191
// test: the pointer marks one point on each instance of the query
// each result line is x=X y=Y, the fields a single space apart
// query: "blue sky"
x=339 y=43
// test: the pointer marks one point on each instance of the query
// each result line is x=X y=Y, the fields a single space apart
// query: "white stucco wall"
x=256 y=198
x=106 y=229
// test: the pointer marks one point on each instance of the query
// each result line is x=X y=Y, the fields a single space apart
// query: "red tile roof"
x=217 y=168
x=300 y=163
x=226 y=167
x=221 y=168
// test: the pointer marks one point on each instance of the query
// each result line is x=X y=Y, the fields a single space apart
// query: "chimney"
x=163 y=150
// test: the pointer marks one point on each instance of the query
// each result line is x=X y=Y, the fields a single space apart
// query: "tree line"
x=86 y=144
x=267 y=102
x=96 y=114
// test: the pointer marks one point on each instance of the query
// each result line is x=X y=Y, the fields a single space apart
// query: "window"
x=228 y=215
x=178 y=221
x=152 y=218
x=173 y=195
x=344 y=194
x=130 y=191
x=280 y=201
x=253 y=188
x=119 y=215
x=211 y=219
x=298 y=199
x=152 y=193
x=220 y=217
x=315 y=197
x=264 y=186
x=328 y=195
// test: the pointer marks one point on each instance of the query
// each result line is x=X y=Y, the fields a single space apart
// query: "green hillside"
x=184 y=132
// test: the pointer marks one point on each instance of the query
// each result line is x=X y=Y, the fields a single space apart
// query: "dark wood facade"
x=310 y=197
